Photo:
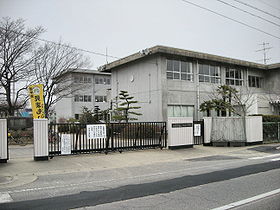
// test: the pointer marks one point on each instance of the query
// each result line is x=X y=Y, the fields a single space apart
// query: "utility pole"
x=106 y=55
x=264 y=49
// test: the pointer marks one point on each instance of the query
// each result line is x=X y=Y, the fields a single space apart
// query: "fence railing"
x=120 y=136
x=271 y=131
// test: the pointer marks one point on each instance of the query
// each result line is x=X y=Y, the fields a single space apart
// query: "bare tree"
x=52 y=65
x=16 y=45
x=229 y=99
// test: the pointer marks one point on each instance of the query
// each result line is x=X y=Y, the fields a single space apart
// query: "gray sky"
x=127 y=26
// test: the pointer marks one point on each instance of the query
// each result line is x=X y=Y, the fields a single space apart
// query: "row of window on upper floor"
x=182 y=70
x=87 y=98
x=87 y=79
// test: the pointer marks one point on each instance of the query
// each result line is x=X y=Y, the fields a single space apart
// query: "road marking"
x=275 y=159
x=248 y=200
x=262 y=157
x=5 y=198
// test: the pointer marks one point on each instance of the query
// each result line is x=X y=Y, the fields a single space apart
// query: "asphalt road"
x=200 y=183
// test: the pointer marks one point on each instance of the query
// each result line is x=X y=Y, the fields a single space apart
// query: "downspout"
x=197 y=91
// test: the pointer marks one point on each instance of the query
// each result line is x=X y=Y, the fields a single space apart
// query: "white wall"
x=143 y=81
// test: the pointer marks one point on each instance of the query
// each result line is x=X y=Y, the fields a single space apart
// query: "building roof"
x=184 y=53
x=87 y=71
x=83 y=71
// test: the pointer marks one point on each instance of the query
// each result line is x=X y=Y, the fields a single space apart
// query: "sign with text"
x=96 y=131
x=181 y=125
x=197 y=129
x=65 y=144
x=37 y=101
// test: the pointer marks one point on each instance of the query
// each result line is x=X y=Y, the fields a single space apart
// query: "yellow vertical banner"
x=37 y=101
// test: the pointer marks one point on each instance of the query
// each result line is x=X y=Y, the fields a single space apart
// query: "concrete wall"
x=143 y=80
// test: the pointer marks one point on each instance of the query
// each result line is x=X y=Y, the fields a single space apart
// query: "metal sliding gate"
x=119 y=137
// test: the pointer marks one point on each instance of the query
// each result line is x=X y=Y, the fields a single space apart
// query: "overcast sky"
x=127 y=26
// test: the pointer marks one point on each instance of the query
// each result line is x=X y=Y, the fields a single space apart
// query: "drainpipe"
x=197 y=90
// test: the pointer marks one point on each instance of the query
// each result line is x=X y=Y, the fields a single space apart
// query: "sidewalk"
x=22 y=169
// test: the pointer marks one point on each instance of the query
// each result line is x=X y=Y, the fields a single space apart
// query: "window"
x=82 y=79
x=180 y=111
x=99 y=80
x=234 y=77
x=88 y=80
x=87 y=98
x=102 y=80
x=255 y=81
x=76 y=79
x=107 y=81
x=100 y=98
x=180 y=70
x=82 y=98
x=76 y=116
x=208 y=73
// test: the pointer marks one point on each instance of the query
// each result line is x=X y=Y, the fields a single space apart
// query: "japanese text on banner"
x=37 y=101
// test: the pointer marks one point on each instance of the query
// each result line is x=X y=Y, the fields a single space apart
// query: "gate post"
x=3 y=141
x=41 y=144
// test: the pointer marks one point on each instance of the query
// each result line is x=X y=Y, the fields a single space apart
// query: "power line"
x=249 y=5
x=272 y=6
x=248 y=12
x=64 y=45
x=237 y=21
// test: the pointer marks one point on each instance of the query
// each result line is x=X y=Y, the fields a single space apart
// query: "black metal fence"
x=271 y=131
x=119 y=137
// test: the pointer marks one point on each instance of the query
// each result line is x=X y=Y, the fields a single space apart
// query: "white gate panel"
x=3 y=141
x=207 y=129
x=41 y=146
x=254 y=129
x=180 y=132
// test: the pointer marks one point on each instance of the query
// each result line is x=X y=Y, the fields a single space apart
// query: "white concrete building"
x=171 y=82
x=91 y=89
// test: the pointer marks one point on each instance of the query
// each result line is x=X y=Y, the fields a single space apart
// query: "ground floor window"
x=180 y=110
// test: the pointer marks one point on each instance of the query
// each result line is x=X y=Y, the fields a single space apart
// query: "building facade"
x=89 y=88
x=170 y=82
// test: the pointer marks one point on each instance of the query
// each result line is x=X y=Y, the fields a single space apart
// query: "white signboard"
x=197 y=129
x=96 y=131
x=65 y=144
